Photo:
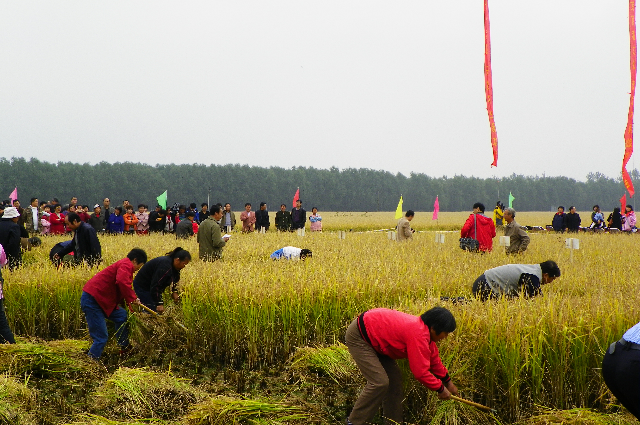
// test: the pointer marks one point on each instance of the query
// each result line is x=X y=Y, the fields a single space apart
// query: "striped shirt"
x=633 y=334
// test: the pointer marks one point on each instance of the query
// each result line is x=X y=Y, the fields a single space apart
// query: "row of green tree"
x=329 y=190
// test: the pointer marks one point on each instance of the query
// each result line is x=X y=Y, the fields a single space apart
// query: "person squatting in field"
x=621 y=372
x=85 y=244
x=291 y=253
x=157 y=275
x=377 y=338
x=101 y=296
x=512 y=280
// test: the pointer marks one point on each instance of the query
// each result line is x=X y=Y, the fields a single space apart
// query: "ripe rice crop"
x=249 y=311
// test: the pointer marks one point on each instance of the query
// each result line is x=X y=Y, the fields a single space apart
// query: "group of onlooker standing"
x=570 y=222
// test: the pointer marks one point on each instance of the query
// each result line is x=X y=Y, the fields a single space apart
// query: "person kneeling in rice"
x=377 y=338
x=512 y=280
x=101 y=296
x=291 y=253
x=157 y=275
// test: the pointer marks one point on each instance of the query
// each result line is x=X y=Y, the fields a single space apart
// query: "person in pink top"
x=142 y=228
x=629 y=219
x=377 y=338
x=248 y=218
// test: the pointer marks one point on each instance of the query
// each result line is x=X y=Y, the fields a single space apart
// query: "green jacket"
x=210 y=240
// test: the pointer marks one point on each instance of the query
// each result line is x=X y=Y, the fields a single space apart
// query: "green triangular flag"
x=511 y=198
x=162 y=200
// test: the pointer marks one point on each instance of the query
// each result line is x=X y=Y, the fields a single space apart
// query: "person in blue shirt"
x=621 y=372
x=116 y=222
x=291 y=252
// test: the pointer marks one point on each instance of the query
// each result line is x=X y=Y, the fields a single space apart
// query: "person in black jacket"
x=156 y=275
x=283 y=219
x=558 y=223
x=262 y=218
x=85 y=246
x=10 y=237
x=298 y=216
x=572 y=220
x=157 y=220
x=615 y=219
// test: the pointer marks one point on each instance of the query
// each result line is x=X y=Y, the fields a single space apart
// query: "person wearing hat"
x=10 y=237
x=96 y=220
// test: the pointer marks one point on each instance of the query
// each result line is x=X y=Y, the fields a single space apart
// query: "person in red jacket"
x=377 y=338
x=57 y=221
x=486 y=229
x=101 y=296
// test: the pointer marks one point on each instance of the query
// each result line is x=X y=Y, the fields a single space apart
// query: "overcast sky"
x=397 y=86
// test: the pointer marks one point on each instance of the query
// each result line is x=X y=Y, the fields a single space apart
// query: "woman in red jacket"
x=380 y=336
x=57 y=221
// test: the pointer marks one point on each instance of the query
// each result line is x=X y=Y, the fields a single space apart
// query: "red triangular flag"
x=623 y=203
x=296 y=197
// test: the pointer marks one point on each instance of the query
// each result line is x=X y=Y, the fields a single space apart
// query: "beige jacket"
x=404 y=230
x=518 y=238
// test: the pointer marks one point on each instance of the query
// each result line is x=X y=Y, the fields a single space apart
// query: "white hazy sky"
x=397 y=86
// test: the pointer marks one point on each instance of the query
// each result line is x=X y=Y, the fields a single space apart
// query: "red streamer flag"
x=436 y=209
x=488 y=83
x=628 y=134
x=296 y=197
x=623 y=203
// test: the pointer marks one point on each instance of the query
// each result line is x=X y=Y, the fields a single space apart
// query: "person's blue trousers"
x=98 y=326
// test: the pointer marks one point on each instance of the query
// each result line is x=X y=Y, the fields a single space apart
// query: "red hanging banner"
x=628 y=134
x=488 y=83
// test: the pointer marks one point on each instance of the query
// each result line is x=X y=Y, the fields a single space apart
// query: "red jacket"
x=403 y=336
x=57 y=224
x=112 y=285
x=486 y=231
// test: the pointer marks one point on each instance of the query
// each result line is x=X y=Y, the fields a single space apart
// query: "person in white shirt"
x=291 y=253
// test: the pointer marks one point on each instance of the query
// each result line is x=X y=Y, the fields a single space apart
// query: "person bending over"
x=291 y=253
x=621 y=372
x=157 y=275
x=85 y=243
x=512 y=280
x=101 y=296
x=377 y=338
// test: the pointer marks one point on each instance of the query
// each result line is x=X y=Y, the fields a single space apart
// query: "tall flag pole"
x=628 y=134
x=488 y=83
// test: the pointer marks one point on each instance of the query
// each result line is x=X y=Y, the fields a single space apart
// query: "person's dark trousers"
x=145 y=297
x=621 y=373
x=481 y=289
x=384 y=381
x=98 y=326
x=5 y=330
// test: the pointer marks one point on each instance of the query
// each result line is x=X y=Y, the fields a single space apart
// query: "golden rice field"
x=247 y=317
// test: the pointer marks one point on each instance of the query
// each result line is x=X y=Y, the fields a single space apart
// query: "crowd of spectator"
x=48 y=218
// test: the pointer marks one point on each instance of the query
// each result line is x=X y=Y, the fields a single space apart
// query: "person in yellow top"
x=498 y=215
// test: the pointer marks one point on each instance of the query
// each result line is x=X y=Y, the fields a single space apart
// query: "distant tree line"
x=329 y=190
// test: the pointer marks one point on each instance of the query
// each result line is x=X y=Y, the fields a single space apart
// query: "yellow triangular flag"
x=399 y=209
